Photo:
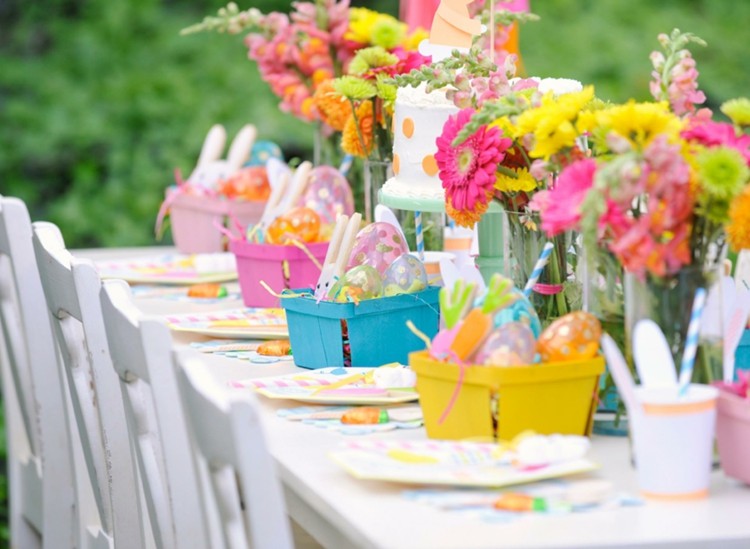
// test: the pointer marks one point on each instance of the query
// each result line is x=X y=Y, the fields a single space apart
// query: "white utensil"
x=653 y=358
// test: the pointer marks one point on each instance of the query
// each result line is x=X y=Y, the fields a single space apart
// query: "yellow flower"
x=639 y=123
x=522 y=182
x=738 y=230
x=738 y=110
x=361 y=21
x=506 y=126
x=553 y=122
x=411 y=43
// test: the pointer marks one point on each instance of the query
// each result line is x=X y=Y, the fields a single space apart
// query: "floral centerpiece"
x=299 y=54
x=666 y=187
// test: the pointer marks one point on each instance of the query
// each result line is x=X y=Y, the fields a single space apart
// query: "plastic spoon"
x=653 y=358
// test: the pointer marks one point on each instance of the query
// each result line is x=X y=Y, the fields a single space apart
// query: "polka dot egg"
x=574 y=336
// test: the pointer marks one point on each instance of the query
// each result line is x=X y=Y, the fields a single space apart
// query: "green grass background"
x=100 y=100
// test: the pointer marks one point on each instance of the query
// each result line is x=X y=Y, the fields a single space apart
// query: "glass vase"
x=601 y=276
x=668 y=302
x=558 y=290
x=375 y=174
x=326 y=147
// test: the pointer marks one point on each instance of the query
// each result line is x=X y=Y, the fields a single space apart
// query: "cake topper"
x=452 y=28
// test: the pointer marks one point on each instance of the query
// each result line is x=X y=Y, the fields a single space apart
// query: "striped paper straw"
x=346 y=164
x=691 y=342
x=420 y=236
x=538 y=268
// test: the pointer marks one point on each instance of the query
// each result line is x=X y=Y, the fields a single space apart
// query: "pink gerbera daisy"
x=715 y=134
x=468 y=171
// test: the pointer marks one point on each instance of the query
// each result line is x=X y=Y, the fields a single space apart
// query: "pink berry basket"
x=733 y=435
x=194 y=219
x=280 y=267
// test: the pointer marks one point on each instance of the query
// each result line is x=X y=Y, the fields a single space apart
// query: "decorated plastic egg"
x=328 y=193
x=378 y=245
x=305 y=223
x=247 y=184
x=406 y=275
x=279 y=231
x=520 y=311
x=511 y=344
x=262 y=151
x=574 y=336
x=359 y=283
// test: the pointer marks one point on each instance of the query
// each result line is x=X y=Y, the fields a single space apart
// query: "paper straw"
x=538 y=268
x=346 y=164
x=420 y=236
x=691 y=342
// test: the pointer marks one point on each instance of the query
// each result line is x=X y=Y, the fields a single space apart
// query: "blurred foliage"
x=101 y=100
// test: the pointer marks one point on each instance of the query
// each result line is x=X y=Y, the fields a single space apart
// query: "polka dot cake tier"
x=418 y=121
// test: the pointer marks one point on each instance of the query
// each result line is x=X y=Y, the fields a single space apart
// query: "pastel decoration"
x=429 y=165
x=328 y=193
x=377 y=245
x=455 y=302
x=396 y=164
x=453 y=26
x=472 y=332
x=441 y=343
x=247 y=184
x=521 y=310
x=407 y=126
x=574 y=336
x=262 y=151
x=359 y=283
x=691 y=342
x=511 y=344
x=499 y=294
x=406 y=275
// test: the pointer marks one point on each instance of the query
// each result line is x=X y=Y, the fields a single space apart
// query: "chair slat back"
x=229 y=441
x=141 y=350
x=71 y=287
x=37 y=381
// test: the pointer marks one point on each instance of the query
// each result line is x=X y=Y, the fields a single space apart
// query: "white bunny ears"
x=210 y=169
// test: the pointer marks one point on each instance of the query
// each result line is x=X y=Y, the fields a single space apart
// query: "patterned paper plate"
x=328 y=386
x=238 y=323
x=451 y=463
x=172 y=269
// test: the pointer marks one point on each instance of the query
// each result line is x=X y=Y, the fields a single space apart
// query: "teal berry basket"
x=375 y=328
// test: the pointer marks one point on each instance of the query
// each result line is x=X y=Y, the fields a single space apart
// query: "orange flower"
x=738 y=230
x=334 y=109
x=359 y=141
x=467 y=218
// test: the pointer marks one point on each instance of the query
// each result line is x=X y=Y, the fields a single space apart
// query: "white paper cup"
x=673 y=438
x=432 y=266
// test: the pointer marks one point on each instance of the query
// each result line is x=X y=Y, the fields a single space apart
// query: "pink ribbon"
x=548 y=289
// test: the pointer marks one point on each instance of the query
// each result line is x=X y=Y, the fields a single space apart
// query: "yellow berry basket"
x=501 y=402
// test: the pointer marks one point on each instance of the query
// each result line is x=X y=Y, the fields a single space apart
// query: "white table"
x=342 y=512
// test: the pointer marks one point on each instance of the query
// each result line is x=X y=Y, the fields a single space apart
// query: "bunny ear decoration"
x=386 y=215
x=213 y=145
x=276 y=169
x=297 y=187
x=239 y=151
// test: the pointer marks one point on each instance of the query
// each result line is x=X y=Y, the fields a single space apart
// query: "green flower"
x=386 y=91
x=387 y=32
x=370 y=58
x=354 y=88
x=714 y=210
x=738 y=110
x=722 y=172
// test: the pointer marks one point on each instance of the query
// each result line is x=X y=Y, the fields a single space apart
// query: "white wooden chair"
x=141 y=350
x=42 y=496
x=71 y=287
x=230 y=446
